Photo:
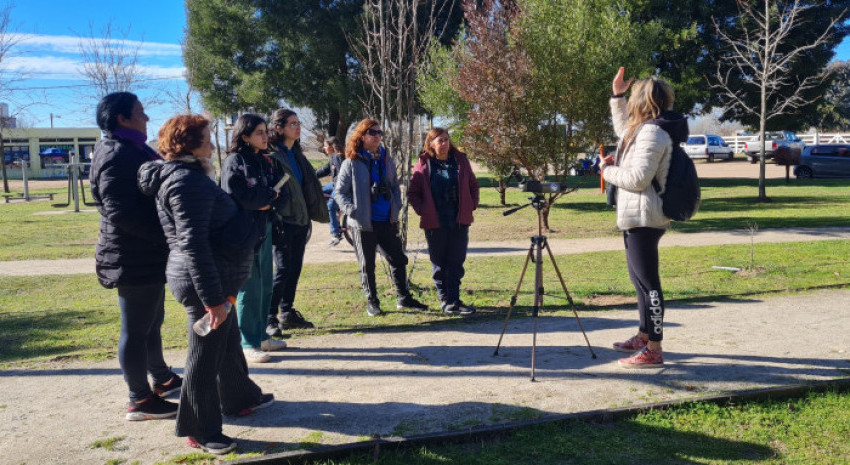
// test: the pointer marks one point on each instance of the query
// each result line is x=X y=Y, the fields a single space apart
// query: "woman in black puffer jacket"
x=211 y=242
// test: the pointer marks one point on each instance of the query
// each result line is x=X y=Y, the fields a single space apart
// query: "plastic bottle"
x=202 y=327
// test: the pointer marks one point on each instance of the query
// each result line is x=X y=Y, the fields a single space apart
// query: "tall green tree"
x=834 y=110
x=245 y=54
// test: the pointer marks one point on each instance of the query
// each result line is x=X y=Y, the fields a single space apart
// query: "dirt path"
x=343 y=387
x=319 y=252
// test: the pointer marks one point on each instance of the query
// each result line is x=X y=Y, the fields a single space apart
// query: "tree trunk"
x=502 y=189
x=3 y=165
x=544 y=214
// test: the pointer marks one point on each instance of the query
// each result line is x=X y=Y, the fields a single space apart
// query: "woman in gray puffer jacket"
x=647 y=130
x=211 y=242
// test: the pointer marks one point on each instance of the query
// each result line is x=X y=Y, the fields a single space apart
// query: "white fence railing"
x=737 y=142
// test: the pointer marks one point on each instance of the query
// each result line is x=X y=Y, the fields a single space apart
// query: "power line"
x=70 y=86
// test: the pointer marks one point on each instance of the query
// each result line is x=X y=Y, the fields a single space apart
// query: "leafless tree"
x=394 y=41
x=8 y=41
x=758 y=59
x=111 y=64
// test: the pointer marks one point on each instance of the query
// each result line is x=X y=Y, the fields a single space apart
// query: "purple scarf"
x=138 y=139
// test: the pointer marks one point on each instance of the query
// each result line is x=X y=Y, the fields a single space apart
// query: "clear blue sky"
x=50 y=56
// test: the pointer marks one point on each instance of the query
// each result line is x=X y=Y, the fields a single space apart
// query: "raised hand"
x=618 y=86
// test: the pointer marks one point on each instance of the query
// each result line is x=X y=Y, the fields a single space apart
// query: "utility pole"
x=51 y=119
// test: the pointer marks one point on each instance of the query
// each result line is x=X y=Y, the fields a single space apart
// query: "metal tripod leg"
x=514 y=297
x=572 y=305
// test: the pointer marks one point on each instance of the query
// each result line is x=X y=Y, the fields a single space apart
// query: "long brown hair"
x=433 y=134
x=649 y=98
x=354 y=144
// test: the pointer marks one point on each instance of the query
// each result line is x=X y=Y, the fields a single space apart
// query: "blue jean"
x=333 y=208
x=140 y=342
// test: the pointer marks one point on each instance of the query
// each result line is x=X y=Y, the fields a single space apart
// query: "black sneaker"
x=166 y=389
x=373 y=308
x=265 y=401
x=410 y=303
x=293 y=319
x=273 y=328
x=218 y=444
x=464 y=309
x=450 y=309
x=151 y=408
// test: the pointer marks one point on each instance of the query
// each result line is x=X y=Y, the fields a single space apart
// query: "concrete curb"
x=488 y=432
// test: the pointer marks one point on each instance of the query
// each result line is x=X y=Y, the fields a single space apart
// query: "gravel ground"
x=340 y=388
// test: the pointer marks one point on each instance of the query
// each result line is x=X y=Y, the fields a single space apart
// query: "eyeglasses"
x=293 y=125
x=375 y=132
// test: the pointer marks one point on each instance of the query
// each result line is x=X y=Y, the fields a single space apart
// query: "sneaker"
x=631 y=345
x=293 y=319
x=217 y=445
x=272 y=345
x=450 y=309
x=464 y=309
x=265 y=401
x=373 y=308
x=172 y=386
x=335 y=240
x=273 y=328
x=255 y=355
x=410 y=303
x=643 y=359
x=151 y=408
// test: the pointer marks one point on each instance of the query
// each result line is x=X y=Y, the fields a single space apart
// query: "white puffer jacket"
x=648 y=156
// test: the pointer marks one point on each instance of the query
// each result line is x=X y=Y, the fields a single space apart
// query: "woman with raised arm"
x=647 y=129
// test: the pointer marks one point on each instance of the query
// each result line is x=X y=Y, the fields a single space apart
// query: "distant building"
x=7 y=121
x=55 y=143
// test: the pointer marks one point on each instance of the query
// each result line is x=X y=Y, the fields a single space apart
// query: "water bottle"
x=202 y=327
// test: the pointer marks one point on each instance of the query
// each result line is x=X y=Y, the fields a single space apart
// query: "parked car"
x=824 y=160
x=707 y=146
x=774 y=140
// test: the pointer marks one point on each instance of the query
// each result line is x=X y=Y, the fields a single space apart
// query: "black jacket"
x=131 y=248
x=331 y=168
x=210 y=237
x=249 y=178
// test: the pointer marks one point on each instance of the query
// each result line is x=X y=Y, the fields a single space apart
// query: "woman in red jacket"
x=444 y=193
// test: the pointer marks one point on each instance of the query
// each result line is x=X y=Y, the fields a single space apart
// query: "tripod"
x=535 y=252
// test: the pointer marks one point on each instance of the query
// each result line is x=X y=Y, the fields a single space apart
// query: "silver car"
x=824 y=161
x=707 y=146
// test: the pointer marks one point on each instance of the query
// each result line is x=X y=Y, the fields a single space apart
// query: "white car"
x=707 y=146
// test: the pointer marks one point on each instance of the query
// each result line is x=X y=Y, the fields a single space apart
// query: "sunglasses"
x=375 y=132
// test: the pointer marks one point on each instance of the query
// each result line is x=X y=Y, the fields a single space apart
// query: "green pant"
x=252 y=303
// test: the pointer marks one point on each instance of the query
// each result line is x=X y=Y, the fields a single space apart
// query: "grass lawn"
x=810 y=430
x=728 y=204
x=45 y=317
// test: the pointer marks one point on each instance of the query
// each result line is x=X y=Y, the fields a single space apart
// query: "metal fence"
x=737 y=142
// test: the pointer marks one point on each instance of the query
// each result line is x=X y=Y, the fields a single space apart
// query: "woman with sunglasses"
x=291 y=220
x=367 y=190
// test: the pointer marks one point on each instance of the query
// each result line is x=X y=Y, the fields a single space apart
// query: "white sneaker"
x=254 y=355
x=271 y=345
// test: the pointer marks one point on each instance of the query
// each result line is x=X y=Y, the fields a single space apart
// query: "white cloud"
x=65 y=68
x=35 y=43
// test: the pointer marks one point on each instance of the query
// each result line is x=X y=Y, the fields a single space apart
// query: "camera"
x=380 y=189
x=538 y=187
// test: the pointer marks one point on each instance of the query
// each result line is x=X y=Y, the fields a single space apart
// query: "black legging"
x=642 y=261
x=289 y=242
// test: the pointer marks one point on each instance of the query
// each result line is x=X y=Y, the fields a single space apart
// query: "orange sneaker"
x=643 y=359
x=631 y=345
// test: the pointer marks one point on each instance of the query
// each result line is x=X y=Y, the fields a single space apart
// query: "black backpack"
x=681 y=197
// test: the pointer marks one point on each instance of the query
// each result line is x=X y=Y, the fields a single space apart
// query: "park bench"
x=20 y=196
